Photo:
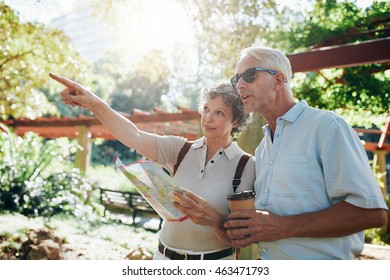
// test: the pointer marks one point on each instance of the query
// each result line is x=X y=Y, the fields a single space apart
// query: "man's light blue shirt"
x=314 y=161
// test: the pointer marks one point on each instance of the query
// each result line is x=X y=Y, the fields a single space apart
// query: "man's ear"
x=280 y=78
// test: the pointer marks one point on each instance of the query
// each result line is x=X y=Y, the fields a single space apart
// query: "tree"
x=126 y=88
x=224 y=27
x=333 y=22
x=28 y=52
x=138 y=87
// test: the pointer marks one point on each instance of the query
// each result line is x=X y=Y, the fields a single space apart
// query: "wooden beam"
x=90 y=121
x=381 y=145
x=373 y=147
x=342 y=56
x=384 y=134
x=368 y=131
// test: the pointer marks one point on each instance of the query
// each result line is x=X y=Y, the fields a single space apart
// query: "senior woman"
x=206 y=171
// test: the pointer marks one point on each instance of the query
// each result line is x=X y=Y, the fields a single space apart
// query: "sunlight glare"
x=149 y=25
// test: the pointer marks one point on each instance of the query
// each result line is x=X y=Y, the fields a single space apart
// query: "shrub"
x=104 y=152
x=31 y=184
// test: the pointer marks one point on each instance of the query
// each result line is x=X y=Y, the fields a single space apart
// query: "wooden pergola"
x=343 y=56
x=185 y=123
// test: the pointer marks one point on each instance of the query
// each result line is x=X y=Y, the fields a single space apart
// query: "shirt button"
x=271 y=162
x=201 y=171
x=220 y=153
x=212 y=161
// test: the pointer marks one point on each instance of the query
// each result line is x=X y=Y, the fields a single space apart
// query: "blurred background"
x=156 y=56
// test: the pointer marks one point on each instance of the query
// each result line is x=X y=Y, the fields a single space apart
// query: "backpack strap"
x=181 y=155
x=240 y=167
x=236 y=182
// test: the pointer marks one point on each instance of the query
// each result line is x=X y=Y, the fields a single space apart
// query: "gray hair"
x=232 y=99
x=272 y=59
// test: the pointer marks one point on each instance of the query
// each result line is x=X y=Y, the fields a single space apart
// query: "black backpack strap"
x=240 y=167
x=181 y=155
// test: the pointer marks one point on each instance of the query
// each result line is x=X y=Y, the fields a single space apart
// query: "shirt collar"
x=291 y=115
x=231 y=152
x=294 y=112
x=199 y=143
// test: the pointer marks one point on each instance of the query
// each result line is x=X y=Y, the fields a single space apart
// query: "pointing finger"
x=66 y=82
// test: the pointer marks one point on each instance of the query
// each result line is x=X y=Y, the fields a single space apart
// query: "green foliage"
x=137 y=87
x=379 y=236
x=224 y=27
x=109 y=177
x=105 y=153
x=28 y=52
x=29 y=184
x=355 y=88
x=330 y=22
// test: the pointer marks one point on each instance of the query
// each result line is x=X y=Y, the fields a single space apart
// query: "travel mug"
x=244 y=200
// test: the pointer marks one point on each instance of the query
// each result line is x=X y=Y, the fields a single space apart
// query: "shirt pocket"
x=292 y=177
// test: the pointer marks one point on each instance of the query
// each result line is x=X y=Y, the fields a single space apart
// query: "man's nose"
x=240 y=84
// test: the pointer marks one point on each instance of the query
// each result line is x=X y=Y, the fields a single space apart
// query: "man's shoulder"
x=322 y=116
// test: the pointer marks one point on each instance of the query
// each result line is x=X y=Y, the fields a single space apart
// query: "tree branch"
x=14 y=57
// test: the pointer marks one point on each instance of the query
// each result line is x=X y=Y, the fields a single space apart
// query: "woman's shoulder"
x=171 y=140
x=247 y=159
x=251 y=162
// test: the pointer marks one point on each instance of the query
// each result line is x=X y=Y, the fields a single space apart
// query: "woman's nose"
x=209 y=116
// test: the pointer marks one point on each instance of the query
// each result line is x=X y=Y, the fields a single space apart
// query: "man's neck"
x=277 y=113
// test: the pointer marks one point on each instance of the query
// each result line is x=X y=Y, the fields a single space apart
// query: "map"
x=155 y=186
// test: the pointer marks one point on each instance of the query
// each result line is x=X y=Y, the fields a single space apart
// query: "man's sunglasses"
x=249 y=75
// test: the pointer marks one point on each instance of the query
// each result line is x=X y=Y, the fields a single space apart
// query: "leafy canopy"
x=28 y=52
x=224 y=27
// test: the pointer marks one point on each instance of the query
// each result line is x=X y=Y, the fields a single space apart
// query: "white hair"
x=272 y=59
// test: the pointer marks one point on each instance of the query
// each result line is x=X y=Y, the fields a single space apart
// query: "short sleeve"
x=168 y=150
x=348 y=175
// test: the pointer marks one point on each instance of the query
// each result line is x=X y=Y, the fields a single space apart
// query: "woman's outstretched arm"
x=120 y=127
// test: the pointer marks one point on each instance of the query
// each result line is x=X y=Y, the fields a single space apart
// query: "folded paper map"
x=155 y=186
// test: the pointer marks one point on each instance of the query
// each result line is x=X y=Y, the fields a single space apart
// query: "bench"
x=122 y=201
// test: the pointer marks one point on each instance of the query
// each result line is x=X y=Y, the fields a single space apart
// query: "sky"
x=40 y=10
x=31 y=10
x=157 y=27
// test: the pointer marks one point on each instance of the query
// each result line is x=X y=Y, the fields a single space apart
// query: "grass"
x=82 y=239
x=109 y=177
